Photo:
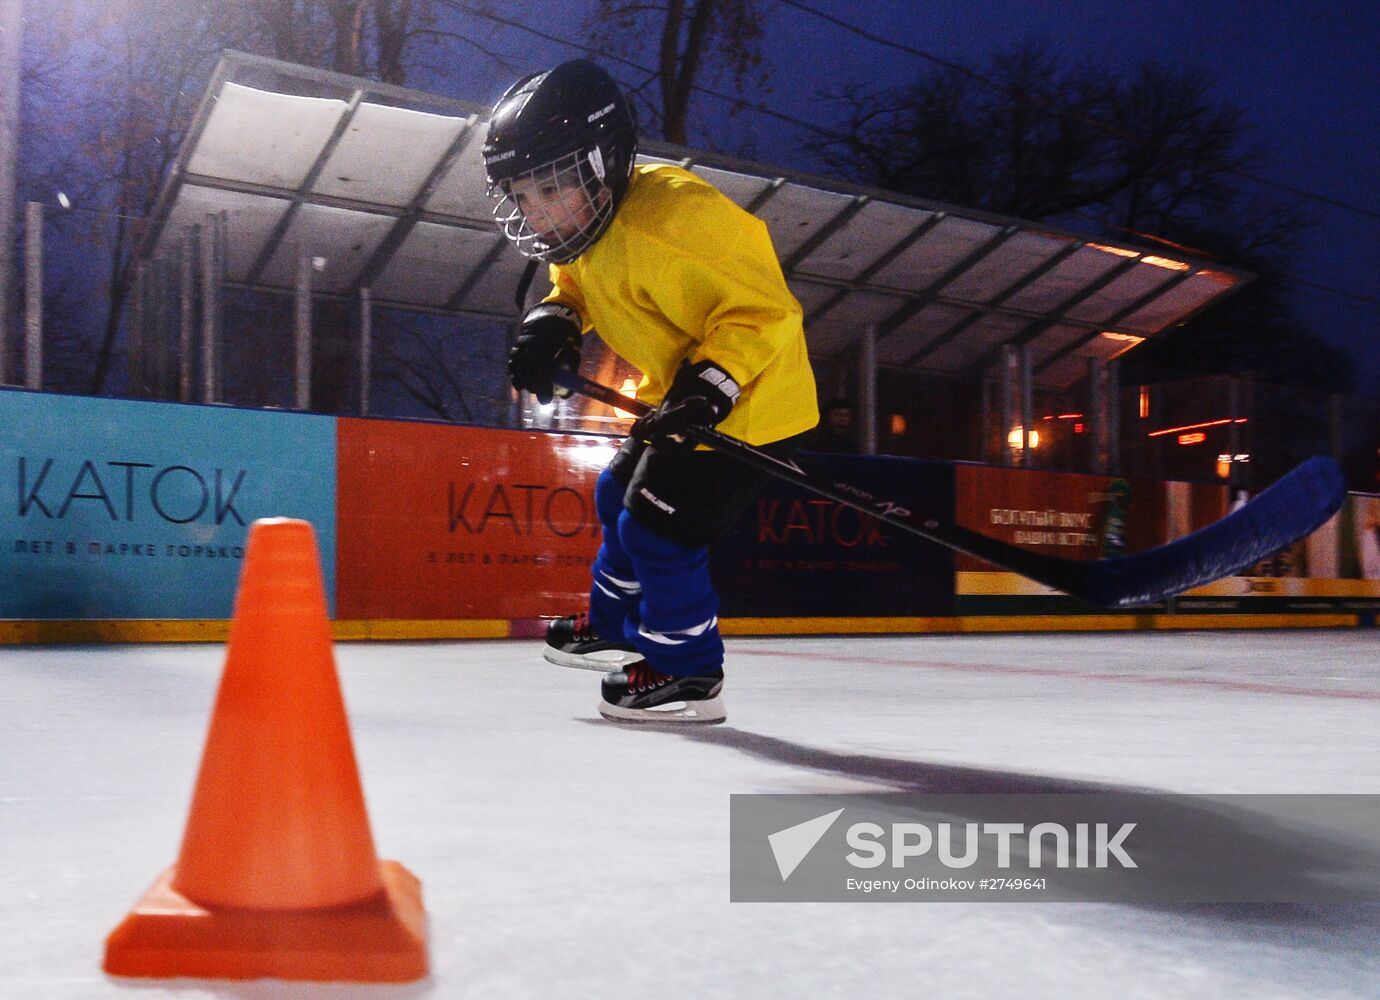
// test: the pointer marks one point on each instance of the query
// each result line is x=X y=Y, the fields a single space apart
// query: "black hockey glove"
x=549 y=339
x=701 y=396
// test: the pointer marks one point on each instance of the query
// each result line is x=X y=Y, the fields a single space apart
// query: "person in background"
x=837 y=432
x=1368 y=537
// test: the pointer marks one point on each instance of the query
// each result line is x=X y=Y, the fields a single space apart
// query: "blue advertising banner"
x=795 y=554
x=114 y=509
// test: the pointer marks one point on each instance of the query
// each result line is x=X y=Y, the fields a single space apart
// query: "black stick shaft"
x=1291 y=508
x=1063 y=574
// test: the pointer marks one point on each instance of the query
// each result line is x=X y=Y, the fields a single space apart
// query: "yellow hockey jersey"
x=684 y=274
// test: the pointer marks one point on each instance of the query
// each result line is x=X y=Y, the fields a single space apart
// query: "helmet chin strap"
x=525 y=283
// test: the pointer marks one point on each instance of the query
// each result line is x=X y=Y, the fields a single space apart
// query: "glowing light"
x=629 y=389
x=1197 y=437
x=1016 y=439
x=1217 y=276
x=1118 y=251
x=1144 y=402
x=1194 y=427
x=898 y=424
x=1128 y=339
x=1225 y=461
x=1166 y=263
x=592 y=455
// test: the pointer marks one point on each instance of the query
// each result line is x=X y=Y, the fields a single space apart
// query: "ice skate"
x=639 y=693
x=572 y=642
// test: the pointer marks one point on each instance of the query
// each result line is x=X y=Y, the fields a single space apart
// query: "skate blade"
x=605 y=661
x=679 y=713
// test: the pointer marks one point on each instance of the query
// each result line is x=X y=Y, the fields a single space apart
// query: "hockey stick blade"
x=1291 y=508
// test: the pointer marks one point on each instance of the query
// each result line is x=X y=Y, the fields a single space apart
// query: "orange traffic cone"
x=277 y=875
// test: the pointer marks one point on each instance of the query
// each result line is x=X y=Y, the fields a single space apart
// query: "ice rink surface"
x=563 y=856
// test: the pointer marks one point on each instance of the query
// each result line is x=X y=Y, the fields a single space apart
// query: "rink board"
x=115 y=509
x=793 y=554
x=126 y=521
x=443 y=522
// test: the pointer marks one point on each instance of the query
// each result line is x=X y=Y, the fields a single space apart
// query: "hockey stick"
x=1291 y=508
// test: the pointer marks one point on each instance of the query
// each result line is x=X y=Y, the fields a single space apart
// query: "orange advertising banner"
x=1075 y=516
x=442 y=522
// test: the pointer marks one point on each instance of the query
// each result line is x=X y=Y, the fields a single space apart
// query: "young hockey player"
x=686 y=286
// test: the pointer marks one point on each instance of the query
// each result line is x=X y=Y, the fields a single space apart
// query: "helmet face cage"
x=569 y=205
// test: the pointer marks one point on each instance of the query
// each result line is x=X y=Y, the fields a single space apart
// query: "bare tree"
x=441 y=367
x=1151 y=155
x=47 y=161
x=373 y=38
x=121 y=102
x=130 y=95
x=694 y=40
x=116 y=114
x=1033 y=139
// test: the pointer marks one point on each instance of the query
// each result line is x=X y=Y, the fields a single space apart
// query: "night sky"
x=1304 y=71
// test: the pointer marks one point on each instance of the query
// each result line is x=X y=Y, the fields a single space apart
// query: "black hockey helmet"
x=572 y=127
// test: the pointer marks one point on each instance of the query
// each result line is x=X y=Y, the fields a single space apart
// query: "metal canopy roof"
x=385 y=186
